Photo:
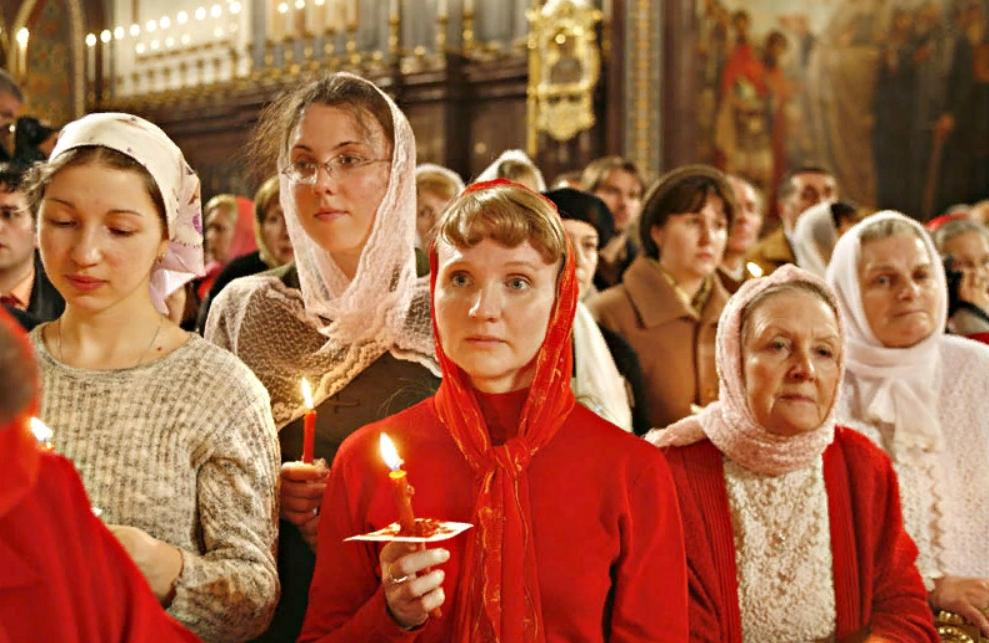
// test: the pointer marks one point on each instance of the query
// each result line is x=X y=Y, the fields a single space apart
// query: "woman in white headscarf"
x=921 y=395
x=350 y=315
x=514 y=165
x=172 y=436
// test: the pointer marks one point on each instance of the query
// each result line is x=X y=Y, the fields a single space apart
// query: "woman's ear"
x=162 y=250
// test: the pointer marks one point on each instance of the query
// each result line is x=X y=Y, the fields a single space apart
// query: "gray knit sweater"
x=185 y=449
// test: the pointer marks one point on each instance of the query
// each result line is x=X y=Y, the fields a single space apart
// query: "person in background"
x=550 y=487
x=11 y=103
x=799 y=190
x=965 y=245
x=172 y=436
x=33 y=140
x=920 y=395
x=571 y=179
x=436 y=186
x=65 y=577
x=514 y=165
x=743 y=235
x=617 y=182
x=668 y=304
x=273 y=242
x=605 y=366
x=349 y=314
x=229 y=232
x=24 y=286
x=817 y=232
x=793 y=524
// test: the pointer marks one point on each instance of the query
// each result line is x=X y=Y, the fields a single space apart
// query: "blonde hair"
x=436 y=183
x=226 y=202
x=508 y=214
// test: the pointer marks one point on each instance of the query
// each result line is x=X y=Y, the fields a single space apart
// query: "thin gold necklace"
x=161 y=322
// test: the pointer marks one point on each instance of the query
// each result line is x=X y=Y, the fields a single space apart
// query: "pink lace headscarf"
x=729 y=422
x=179 y=186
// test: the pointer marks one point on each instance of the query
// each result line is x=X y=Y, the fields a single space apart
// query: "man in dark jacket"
x=23 y=283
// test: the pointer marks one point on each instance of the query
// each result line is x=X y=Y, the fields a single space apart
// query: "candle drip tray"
x=427 y=531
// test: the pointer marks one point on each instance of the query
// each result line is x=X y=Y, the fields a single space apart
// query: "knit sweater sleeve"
x=229 y=592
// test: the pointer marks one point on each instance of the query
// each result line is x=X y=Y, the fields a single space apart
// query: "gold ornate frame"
x=564 y=68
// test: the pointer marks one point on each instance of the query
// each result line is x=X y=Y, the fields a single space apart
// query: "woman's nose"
x=487 y=304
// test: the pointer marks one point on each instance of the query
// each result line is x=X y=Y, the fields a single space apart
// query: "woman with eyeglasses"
x=350 y=315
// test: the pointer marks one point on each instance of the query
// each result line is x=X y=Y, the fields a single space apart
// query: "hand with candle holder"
x=303 y=482
x=413 y=590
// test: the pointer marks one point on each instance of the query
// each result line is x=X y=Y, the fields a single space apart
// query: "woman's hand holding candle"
x=301 y=494
x=411 y=597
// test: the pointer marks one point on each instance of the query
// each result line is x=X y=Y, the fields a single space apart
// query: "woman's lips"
x=329 y=215
x=85 y=283
x=485 y=340
x=796 y=397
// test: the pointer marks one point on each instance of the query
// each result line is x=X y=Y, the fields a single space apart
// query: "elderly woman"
x=921 y=396
x=966 y=242
x=669 y=301
x=549 y=486
x=350 y=314
x=792 y=524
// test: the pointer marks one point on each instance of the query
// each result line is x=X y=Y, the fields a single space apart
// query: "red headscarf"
x=500 y=549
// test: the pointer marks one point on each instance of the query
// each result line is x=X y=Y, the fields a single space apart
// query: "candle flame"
x=754 y=269
x=307 y=393
x=42 y=432
x=389 y=453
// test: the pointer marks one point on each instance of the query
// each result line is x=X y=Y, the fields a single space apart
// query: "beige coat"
x=675 y=349
x=772 y=251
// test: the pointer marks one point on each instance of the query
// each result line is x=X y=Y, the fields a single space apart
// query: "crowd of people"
x=663 y=418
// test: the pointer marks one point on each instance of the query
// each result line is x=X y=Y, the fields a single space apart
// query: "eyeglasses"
x=307 y=172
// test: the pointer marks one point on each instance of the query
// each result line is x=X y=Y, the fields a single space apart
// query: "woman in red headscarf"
x=576 y=528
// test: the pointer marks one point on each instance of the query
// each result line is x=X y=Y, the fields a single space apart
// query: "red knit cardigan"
x=878 y=589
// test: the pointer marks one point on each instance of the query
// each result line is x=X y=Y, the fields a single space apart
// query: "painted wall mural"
x=47 y=85
x=891 y=95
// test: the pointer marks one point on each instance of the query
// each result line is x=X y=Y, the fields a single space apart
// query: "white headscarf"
x=384 y=308
x=814 y=238
x=895 y=386
x=490 y=173
x=179 y=186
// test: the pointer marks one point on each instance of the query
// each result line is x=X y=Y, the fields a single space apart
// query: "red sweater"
x=606 y=528
x=877 y=587
x=64 y=576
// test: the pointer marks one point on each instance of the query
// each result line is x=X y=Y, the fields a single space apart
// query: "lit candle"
x=400 y=483
x=352 y=16
x=23 y=35
x=441 y=9
x=308 y=423
x=42 y=433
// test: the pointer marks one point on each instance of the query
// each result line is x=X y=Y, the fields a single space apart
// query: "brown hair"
x=18 y=371
x=683 y=190
x=280 y=118
x=437 y=183
x=598 y=169
x=41 y=174
x=509 y=214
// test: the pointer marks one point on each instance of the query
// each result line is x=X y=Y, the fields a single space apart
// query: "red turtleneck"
x=606 y=526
